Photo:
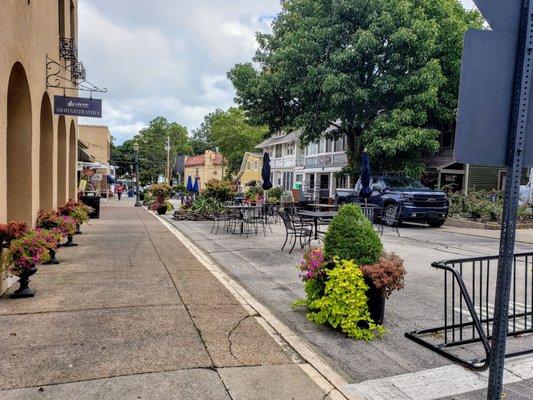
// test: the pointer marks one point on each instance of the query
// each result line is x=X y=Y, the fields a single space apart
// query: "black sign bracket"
x=70 y=76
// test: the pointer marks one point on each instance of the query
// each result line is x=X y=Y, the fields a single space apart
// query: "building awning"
x=438 y=162
x=83 y=153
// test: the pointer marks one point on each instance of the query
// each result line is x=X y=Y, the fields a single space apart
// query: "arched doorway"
x=19 y=135
x=72 y=162
x=46 y=156
x=61 y=162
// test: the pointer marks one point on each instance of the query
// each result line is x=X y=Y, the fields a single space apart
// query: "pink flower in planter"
x=312 y=266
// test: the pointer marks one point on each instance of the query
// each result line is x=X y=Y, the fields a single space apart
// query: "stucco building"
x=204 y=167
x=250 y=171
x=38 y=150
x=97 y=139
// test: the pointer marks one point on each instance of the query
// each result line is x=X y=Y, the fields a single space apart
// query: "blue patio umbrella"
x=189 y=184
x=265 y=172
x=195 y=188
x=366 y=177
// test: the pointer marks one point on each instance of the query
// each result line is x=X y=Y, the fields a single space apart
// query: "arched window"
x=72 y=21
x=61 y=17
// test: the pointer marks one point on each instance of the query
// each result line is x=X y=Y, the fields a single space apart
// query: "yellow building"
x=204 y=167
x=98 y=140
x=250 y=171
x=38 y=150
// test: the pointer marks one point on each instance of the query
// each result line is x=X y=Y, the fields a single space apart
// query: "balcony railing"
x=78 y=71
x=67 y=49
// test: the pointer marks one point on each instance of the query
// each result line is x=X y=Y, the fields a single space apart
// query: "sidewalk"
x=131 y=314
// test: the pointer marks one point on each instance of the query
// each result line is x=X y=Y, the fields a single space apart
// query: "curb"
x=318 y=370
x=461 y=223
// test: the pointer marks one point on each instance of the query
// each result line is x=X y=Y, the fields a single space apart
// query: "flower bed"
x=203 y=208
x=347 y=282
x=483 y=206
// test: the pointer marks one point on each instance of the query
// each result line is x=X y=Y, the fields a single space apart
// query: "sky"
x=167 y=57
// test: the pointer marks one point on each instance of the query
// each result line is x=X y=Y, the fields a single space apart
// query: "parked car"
x=418 y=203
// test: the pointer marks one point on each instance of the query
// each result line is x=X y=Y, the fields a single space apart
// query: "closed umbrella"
x=195 y=188
x=189 y=184
x=366 y=176
x=265 y=172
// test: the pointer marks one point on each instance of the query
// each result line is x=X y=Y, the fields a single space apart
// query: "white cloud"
x=167 y=57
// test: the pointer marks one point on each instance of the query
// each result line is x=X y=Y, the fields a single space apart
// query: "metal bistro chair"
x=391 y=219
x=295 y=228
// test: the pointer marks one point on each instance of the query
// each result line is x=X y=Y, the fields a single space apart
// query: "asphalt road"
x=272 y=277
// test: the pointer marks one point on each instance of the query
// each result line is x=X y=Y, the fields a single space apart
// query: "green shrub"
x=344 y=302
x=483 y=206
x=253 y=192
x=274 y=194
x=351 y=237
x=220 y=190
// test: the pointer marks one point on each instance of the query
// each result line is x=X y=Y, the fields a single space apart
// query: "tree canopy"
x=202 y=139
x=233 y=136
x=152 y=141
x=384 y=73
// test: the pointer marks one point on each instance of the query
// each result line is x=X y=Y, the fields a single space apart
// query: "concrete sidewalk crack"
x=230 y=333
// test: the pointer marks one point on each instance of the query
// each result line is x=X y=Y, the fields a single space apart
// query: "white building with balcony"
x=315 y=165
x=286 y=156
x=322 y=163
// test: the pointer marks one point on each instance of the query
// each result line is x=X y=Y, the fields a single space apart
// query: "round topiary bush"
x=351 y=237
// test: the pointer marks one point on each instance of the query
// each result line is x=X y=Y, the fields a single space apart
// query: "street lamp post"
x=137 y=194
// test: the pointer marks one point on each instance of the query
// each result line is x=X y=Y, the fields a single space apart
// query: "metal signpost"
x=492 y=126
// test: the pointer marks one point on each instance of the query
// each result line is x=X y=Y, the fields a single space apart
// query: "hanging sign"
x=78 y=106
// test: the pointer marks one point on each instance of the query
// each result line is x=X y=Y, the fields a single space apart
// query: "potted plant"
x=77 y=210
x=51 y=239
x=21 y=258
x=383 y=277
x=161 y=193
x=10 y=231
x=336 y=295
x=62 y=224
x=348 y=281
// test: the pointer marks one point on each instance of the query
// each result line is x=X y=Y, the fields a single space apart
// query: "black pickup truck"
x=418 y=203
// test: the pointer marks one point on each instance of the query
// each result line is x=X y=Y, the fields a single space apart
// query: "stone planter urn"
x=24 y=280
x=376 y=303
x=70 y=241
x=53 y=259
x=162 y=209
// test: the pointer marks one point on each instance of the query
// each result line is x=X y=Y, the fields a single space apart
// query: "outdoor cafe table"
x=317 y=215
x=240 y=208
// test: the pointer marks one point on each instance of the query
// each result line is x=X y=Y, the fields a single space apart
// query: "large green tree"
x=202 y=139
x=152 y=141
x=384 y=73
x=232 y=135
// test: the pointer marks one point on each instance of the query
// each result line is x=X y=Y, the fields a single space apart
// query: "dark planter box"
x=376 y=303
x=94 y=203
x=161 y=210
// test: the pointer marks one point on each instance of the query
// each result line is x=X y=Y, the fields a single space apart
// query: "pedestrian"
x=119 y=190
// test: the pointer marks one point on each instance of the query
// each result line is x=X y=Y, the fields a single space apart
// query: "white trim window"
x=289 y=150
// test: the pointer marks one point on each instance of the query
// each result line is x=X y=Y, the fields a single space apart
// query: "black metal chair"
x=295 y=228
x=391 y=218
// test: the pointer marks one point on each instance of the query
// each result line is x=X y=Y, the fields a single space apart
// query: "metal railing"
x=469 y=297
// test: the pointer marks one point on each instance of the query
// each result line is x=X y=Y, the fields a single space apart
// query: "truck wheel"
x=436 y=223
x=389 y=216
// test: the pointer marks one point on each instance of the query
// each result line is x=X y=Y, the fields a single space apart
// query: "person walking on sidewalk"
x=119 y=190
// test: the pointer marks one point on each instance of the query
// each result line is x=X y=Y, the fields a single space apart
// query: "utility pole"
x=167 y=172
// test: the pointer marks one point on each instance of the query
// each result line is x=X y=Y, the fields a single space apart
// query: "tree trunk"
x=354 y=151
